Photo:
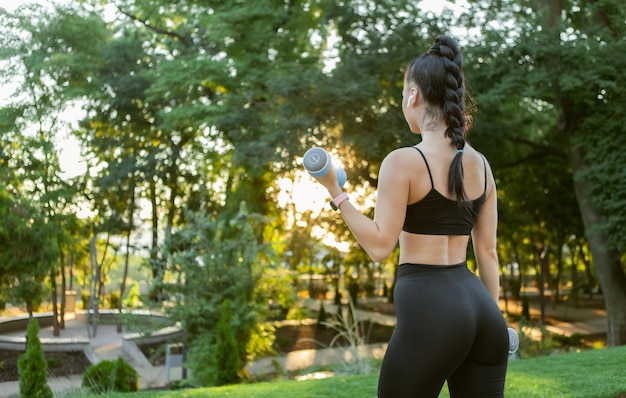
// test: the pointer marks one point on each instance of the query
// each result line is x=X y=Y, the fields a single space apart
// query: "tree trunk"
x=607 y=262
x=63 y=290
x=543 y=262
x=56 y=332
x=154 y=248
x=556 y=280
x=131 y=226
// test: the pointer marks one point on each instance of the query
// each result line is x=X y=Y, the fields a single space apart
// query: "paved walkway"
x=108 y=344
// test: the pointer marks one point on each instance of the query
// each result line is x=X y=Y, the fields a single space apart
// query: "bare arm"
x=379 y=236
x=485 y=240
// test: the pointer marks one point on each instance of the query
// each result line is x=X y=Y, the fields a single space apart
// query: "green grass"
x=588 y=374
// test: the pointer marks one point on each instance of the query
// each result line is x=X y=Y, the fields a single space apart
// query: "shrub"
x=215 y=359
x=227 y=351
x=111 y=376
x=220 y=258
x=352 y=330
x=32 y=367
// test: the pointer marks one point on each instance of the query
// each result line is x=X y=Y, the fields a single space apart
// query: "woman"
x=431 y=198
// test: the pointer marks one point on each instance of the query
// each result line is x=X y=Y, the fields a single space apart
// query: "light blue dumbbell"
x=513 y=340
x=317 y=162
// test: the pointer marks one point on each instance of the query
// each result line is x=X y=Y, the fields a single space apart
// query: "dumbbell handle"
x=317 y=162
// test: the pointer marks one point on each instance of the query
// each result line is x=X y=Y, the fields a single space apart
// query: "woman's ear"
x=413 y=96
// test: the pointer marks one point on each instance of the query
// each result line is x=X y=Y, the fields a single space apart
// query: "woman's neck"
x=435 y=136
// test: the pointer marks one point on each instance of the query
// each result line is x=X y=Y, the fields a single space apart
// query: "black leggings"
x=448 y=328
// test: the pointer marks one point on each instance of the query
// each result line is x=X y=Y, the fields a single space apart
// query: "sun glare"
x=307 y=195
x=304 y=192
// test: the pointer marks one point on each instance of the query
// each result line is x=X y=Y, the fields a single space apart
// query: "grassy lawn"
x=588 y=374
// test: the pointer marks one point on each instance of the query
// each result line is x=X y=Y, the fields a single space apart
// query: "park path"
x=106 y=345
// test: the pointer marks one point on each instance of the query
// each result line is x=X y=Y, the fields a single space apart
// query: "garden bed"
x=60 y=364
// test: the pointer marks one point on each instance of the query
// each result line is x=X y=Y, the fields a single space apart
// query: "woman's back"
x=438 y=238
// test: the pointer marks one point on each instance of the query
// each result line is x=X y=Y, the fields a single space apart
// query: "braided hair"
x=439 y=75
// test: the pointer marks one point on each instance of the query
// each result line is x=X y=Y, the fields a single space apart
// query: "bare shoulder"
x=398 y=165
x=479 y=156
x=482 y=161
x=401 y=157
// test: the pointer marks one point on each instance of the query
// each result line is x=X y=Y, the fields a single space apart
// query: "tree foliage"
x=555 y=75
x=192 y=108
x=216 y=262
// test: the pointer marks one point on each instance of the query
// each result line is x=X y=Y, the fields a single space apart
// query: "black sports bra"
x=435 y=214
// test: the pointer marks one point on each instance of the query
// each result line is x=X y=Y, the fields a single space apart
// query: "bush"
x=232 y=263
x=111 y=376
x=227 y=349
x=215 y=359
x=32 y=367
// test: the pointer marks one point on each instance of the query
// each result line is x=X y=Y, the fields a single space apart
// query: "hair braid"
x=439 y=75
x=454 y=103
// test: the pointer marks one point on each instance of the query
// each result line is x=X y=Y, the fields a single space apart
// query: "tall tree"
x=566 y=58
x=217 y=263
x=33 y=120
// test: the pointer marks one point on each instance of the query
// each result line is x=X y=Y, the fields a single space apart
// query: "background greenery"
x=193 y=117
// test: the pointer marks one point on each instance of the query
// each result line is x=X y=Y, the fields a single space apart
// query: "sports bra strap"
x=432 y=183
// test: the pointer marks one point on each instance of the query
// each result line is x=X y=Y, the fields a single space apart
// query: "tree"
x=216 y=261
x=569 y=69
x=33 y=126
x=32 y=366
x=226 y=351
x=22 y=240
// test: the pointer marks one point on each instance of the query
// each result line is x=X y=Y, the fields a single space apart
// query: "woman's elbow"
x=378 y=254
x=487 y=256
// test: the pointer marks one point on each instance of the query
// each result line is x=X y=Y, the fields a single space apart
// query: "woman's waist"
x=432 y=249
x=406 y=269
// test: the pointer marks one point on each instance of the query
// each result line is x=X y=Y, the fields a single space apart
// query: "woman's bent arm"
x=379 y=236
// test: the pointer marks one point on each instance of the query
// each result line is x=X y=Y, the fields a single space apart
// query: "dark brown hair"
x=438 y=74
